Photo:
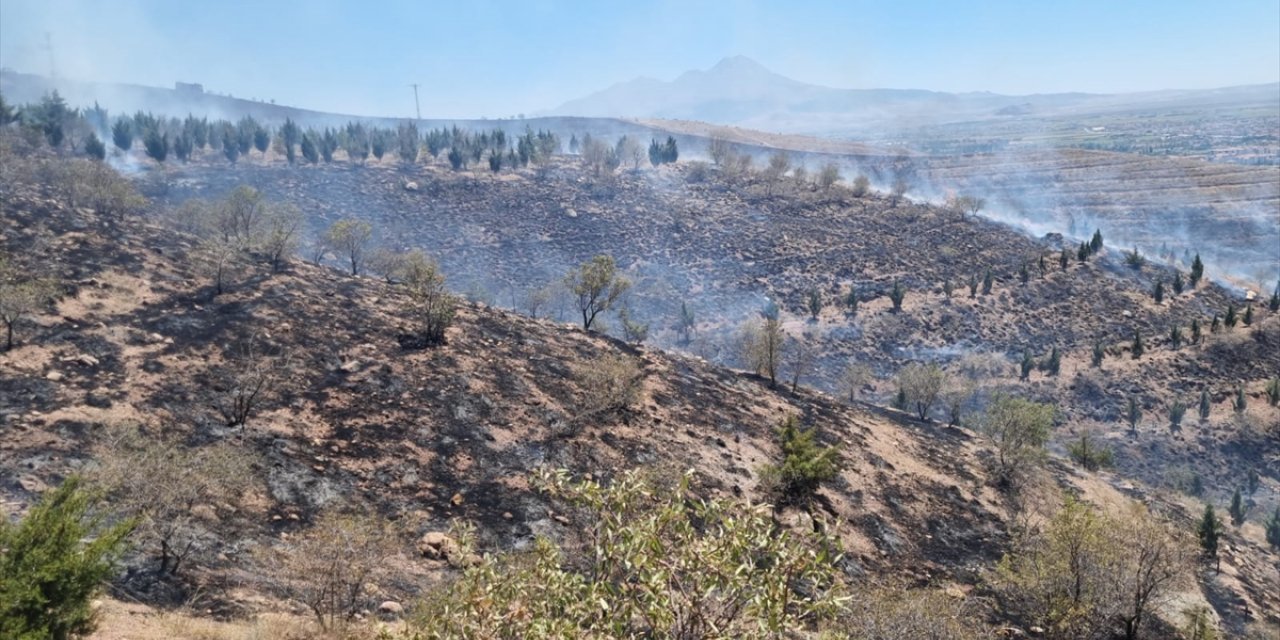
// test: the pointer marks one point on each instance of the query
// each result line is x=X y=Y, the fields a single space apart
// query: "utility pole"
x=416 y=109
x=48 y=46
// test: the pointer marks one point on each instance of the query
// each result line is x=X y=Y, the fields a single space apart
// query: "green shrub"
x=52 y=563
x=803 y=467
x=659 y=564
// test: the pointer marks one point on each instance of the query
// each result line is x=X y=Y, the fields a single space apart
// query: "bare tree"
x=162 y=482
x=249 y=379
x=719 y=150
x=855 y=376
x=20 y=296
x=829 y=175
x=800 y=354
x=762 y=344
x=779 y=164
x=280 y=240
x=329 y=566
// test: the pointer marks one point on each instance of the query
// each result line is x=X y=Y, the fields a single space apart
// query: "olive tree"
x=350 y=237
x=1019 y=429
x=921 y=384
x=666 y=563
x=596 y=286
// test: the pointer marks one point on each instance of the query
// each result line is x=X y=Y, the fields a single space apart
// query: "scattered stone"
x=391 y=608
x=53 y=376
x=436 y=545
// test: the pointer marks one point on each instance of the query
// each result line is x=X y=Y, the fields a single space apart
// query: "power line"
x=416 y=109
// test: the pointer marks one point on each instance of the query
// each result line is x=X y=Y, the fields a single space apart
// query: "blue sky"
x=499 y=58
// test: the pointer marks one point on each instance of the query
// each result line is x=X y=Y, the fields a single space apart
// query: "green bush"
x=52 y=563
x=804 y=464
x=658 y=564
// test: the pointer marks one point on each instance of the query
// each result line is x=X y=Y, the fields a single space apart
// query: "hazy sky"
x=499 y=58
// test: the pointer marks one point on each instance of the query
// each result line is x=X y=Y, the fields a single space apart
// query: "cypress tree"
x=973 y=286
x=1248 y=315
x=987 y=280
x=1237 y=510
x=1138 y=348
x=1240 y=403
x=94 y=148
x=1197 y=271
x=1216 y=325
x=1273 y=529
x=1274 y=303
x=851 y=302
x=1028 y=363
x=1064 y=259
x=1052 y=364
x=1175 y=336
x=1273 y=391
x=1159 y=291
x=897 y=295
x=1195 y=331
x=1231 y=319
x=1099 y=352
x=1133 y=414
x=1176 y=411
x=1024 y=274
x=1178 y=283
x=1204 y=405
x=1095 y=245
x=1208 y=532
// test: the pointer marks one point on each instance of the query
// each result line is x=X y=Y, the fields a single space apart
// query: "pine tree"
x=1240 y=403
x=1064 y=259
x=1178 y=283
x=1237 y=508
x=1159 y=291
x=1205 y=406
x=1216 y=325
x=1028 y=363
x=1197 y=271
x=973 y=286
x=1195 y=331
x=1248 y=315
x=1175 y=336
x=947 y=288
x=1082 y=252
x=1095 y=244
x=1138 y=348
x=1273 y=391
x=1208 y=532
x=987 y=280
x=182 y=147
x=1024 y=274
x=1099 y=353
x=851 y=302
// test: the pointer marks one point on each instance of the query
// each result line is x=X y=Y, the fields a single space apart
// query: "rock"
x=53 y=376
x=86 y=360
x=391 y=608
x=411 y=186
x=437 y=546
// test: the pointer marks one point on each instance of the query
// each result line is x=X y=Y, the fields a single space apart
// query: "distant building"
x=189 y=88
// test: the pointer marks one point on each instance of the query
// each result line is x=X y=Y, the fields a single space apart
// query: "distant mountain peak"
x=739 y=64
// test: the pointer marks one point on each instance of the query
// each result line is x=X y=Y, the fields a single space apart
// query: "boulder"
x=391 y=609
x=437 y=546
